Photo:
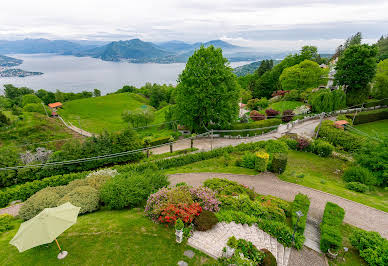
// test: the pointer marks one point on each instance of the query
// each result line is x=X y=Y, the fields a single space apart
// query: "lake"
x=74 y=74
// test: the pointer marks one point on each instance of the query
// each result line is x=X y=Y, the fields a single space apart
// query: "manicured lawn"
x=324 y=174
x=375 y=129
x=285 y=105
x=105 y=237
x=99 y=113
x=216 y=165
x=34 y=127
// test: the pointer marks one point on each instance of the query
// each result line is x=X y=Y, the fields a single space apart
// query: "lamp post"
x=299 y=214
x=343 y=255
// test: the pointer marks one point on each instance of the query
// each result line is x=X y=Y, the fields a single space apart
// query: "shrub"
x=359 y=174
x=184 y=212
x=271 y=113
x=301 y=203
x=291 y=142
x=279 y=163
x=340 y=138
x=369 y=116
x=357 y=186
x=261 y=161
x=98 y=178
x=206 y=198
x=372 y=247
x=331 y=237
x=253 y=125
x=256 y=116
x=326 y=100
x=34 y=107
x=236 y=216
x=303 y=144
x=228 y=187
x=130 y=189
x=159 y=141
x=205 y=221
x=287 y=116
x=276 y=146
x=281 y=232
x=45 y=198
x=5 y=222
x=85 y=197
x=250 y=254
x=322 y=148
x=249 y=160
x=272 y=201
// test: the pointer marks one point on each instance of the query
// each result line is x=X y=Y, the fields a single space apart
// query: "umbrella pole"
x=56 y=241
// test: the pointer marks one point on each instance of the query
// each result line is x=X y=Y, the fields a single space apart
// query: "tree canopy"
x=207 y=92
x=304 y=75
x=380 y=86
x=355 y=70
x=382 y=44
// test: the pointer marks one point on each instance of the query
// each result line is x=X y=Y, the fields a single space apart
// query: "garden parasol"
x=46 y=227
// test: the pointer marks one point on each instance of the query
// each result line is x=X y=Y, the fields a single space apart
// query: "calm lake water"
x=74 y=74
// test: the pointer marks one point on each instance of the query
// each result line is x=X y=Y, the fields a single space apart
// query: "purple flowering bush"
x=206 y=198
x=181 y=195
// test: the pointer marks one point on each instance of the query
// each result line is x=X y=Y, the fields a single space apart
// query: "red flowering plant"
x=184 y=212
x=279 y=93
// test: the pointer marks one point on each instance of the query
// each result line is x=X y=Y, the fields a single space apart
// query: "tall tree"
x=207 y=92
x=352 y=40
x=380 y=86
x=382 y=44
x=355 y=70
x=302 y=76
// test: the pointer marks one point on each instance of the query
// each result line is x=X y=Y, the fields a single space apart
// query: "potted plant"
x=230 y=247
x=179 y=230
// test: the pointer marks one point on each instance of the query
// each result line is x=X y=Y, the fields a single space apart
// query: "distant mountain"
x=246 y=69
x=6 y=61
x=34 y=46
x=133 y=50
x=175 y=46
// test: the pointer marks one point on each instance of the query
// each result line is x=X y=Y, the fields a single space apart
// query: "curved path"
x=356 y=214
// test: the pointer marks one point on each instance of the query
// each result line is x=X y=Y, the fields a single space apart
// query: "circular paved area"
x=356 y=214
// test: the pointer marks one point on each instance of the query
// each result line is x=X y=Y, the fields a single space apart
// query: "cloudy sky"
x=274 y=25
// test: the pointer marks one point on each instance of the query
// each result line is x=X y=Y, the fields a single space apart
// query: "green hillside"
x=99 y=113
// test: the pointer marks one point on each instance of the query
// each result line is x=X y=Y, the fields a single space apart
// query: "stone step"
x=286 y=257
x=280 y=254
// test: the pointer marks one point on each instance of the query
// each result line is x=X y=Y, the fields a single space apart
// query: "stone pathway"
x=356 y=214
x=312 y=234
x=12 y=210
x=213 y=241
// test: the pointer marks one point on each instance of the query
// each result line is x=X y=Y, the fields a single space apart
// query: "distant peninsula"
x=7 y=71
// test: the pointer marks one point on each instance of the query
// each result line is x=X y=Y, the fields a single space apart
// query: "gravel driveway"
x=357 y=214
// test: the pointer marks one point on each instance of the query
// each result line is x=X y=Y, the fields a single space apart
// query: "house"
x=55 y=105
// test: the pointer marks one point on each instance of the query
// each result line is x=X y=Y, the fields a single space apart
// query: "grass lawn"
x=352 y=257
x=124 y=237
x=34 y=127
x=104 y=112
x=285 y=105
x=375 y=129
x=310 y=170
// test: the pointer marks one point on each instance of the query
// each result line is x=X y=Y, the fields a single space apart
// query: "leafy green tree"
x=4 y=120
x=302 y=76
x=207 y=92
x=382 y=44
x=245 y=95
x=265 y=66
x=30 y=98
x=5 y=103
x=126 y=88
x=352 y=40
x=355 y=70
x=380 y=86
x=138 y=117
x=34 y=107
x=46 y=96
x=13 y=92
x=96 y=93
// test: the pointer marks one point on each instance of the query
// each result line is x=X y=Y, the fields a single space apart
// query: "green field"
x=32 y=128
x=106 y=237
x=375 y=129
x=104 y=113
x=285 y=105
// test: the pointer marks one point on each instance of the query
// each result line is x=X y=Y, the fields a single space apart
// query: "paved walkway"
x=12 y=210
x=356 y=214
x=213 y=241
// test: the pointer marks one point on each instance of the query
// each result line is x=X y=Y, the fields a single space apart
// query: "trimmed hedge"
x=331 y=237
x=301 y=203
x=369 y=116
x=252 y=125
x=279 y=163
x=340 y=138
x=357 y=186
x=359 y=174
x=5 y=222
x=322 y=148
x=159 y=141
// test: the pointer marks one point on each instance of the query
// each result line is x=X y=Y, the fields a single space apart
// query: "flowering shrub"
x=183 y=211
x=287 y=115
x=301 y=110
x=271 y=113
x=256 y=116
x=279 y=93
x=206 y=198
x=302 y=144
x=261 y=161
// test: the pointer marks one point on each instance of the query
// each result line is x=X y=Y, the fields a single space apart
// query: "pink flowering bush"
x=177 y=196
x=206 y=198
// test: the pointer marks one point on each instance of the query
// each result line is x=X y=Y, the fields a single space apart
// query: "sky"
x=269 y=25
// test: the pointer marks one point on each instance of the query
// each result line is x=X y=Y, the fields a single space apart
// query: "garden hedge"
x=159 y=141
x=331 y=237
x=369 y=116
x=301 y=203
x=252 y=125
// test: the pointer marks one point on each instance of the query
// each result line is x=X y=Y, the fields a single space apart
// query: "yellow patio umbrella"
x=46 y=227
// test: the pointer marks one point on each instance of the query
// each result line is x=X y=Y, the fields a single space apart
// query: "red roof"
x=341 y=122
x=54 y=105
